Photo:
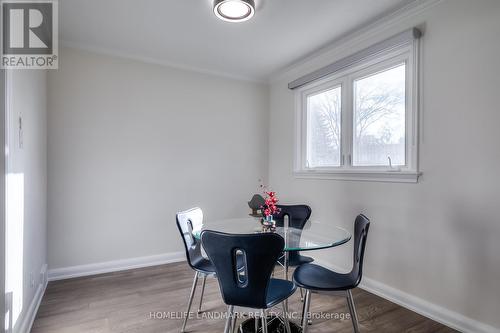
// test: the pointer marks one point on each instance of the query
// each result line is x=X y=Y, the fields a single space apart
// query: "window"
x=379 y=118
x=323 y=128
x=361 y=123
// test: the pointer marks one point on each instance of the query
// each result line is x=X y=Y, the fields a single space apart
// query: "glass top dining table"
x=314 y=236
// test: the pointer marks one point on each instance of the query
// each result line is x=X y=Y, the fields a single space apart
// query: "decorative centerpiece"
x=256 y=204
x=269 y=208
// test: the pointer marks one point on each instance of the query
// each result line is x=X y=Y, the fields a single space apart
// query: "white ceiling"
x=186 y=33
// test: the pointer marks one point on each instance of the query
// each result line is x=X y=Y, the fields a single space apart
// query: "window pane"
x=379 y=118
x=323 y=128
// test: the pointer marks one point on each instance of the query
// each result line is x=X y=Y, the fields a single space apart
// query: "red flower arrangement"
x=269 y=207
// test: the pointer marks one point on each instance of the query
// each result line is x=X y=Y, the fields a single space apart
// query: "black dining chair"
x=297 y=215
x=187 y=221
x=249 y=285
x=314 y=278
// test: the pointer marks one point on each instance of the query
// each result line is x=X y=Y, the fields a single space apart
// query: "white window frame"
x=409 y=54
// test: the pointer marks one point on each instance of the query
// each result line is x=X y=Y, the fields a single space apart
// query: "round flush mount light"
x=234 y=10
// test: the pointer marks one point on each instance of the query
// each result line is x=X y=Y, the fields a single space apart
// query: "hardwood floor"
x=137 y=300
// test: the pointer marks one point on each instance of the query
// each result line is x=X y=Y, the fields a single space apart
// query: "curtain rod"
x=394 y=41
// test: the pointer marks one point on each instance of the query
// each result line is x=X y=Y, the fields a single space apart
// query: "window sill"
x=361 y=175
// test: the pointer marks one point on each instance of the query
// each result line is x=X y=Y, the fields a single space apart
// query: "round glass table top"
x=314 y=236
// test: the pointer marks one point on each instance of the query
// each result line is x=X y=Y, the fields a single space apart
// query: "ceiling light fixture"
x=234 y=10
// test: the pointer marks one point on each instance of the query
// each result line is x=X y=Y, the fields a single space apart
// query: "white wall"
x=130 y=144
x=437 y=240
x=2 y=200
x=26 y=192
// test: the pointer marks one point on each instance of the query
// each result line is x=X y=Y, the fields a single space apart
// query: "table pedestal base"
x=274 y=325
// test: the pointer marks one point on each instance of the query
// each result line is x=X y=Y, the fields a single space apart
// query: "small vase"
x=268 y=223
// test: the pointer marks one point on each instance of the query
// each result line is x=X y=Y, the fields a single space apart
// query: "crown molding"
x=350 y=39
x=371 y=31
x=154 y=61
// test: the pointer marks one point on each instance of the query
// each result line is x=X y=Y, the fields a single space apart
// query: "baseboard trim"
x=29 y=317
x=425 y=308
x=115 y=266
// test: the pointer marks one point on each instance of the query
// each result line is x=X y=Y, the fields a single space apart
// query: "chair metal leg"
x=352 y=310
x=309 y=321
x=233 y=323
x=193 y=289
x=263 y=316
x=301 y=295
x=229 y=314
x=286 y=318
x=202 y=292
x=256 y=321
x=305 y=311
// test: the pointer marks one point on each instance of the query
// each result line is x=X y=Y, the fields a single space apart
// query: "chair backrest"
x=361 y=226
x=297 y=215
x=246 y=283
x=187 y=221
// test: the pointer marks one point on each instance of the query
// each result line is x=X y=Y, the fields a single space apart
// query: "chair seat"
x=314 y=277
x=279 y=290
x=296 y=260
x=204 y=266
